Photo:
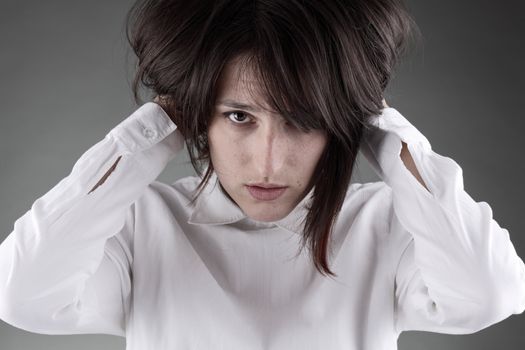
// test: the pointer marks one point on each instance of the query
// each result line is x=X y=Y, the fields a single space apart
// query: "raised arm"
x=459 y=272
x=66 y=266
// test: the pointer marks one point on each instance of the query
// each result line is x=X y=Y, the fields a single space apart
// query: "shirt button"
x=149 y=133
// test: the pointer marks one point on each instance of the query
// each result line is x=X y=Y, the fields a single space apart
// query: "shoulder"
x=183 y=187
x=367 y=205
x=177 y=195
x=375 y=201
x=369 y=210
x=370 y=196
x=368 y=190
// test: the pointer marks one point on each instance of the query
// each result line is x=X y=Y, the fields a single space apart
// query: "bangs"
x=295 y=74
x=281 y=88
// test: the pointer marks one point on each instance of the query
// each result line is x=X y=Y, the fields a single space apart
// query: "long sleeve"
x=66 y=266
x=459 y=272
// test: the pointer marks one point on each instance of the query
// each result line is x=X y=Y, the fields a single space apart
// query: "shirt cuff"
x=144 y=128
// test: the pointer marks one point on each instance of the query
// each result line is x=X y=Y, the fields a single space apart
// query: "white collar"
x=213 y=207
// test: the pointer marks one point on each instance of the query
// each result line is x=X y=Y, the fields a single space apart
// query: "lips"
x=266 y=193
x=266 y=185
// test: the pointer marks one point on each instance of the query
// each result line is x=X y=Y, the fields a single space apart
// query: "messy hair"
x=321 y=65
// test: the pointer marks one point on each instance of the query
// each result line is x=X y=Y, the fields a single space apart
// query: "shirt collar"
x=213 y=207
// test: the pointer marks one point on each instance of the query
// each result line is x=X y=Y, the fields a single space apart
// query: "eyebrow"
x=235 y=104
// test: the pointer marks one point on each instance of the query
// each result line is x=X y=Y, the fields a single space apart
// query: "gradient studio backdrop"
x=65 y=82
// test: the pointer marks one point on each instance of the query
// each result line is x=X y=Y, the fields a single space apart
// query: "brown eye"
x=236 y=117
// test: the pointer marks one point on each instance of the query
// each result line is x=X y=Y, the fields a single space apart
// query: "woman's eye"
x=236 y=117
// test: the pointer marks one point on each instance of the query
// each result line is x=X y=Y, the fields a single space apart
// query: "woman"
x=267 y=94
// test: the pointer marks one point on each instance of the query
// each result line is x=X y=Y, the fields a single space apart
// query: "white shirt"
x=132 y=258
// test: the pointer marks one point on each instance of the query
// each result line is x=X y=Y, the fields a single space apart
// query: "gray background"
x=65 y=82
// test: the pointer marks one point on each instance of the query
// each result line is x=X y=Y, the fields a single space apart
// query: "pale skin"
x=265 y=149
x=250 y=143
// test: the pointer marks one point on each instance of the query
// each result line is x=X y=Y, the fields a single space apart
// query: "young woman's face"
x=256 y=146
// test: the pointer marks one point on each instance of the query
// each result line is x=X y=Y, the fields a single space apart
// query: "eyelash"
x=227 y=114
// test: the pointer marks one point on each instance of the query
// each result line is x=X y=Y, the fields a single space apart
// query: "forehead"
x=238 y=82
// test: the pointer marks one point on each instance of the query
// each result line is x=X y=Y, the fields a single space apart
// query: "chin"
x=265 y=216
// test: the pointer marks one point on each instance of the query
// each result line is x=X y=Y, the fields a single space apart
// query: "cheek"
x=226 y=152
x=311 y=150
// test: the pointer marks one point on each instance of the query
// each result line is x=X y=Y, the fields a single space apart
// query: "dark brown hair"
x=322 y=64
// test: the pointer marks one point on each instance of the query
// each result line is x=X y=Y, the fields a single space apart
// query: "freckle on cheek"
x=243 y=158
x=292 y=160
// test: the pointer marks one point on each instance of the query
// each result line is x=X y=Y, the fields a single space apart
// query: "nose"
x=270 y=150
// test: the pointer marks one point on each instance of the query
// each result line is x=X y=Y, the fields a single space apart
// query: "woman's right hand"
x=162 y=101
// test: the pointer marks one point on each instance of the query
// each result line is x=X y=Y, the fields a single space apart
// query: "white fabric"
x=132 y=258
